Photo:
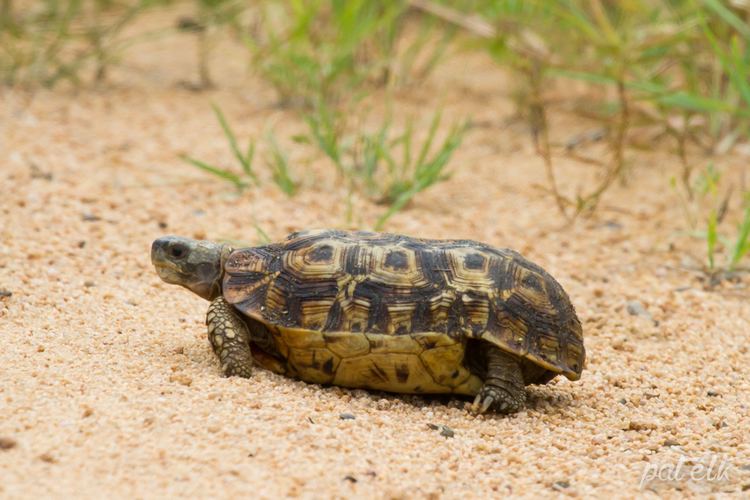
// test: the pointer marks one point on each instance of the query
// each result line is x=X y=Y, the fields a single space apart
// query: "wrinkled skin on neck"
x=197 y=265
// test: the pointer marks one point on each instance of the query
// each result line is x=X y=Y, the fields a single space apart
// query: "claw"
x=487 y=403
x=475 y=404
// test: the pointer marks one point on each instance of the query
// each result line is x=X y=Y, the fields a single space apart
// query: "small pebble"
x=89 y=283
x=561 y=485
x=712 y=394
x=447 y=431
x=181 y=378
x=635 y=308
x=351 y=479
x=37 y=173
x=7 y=443
x=5 y=293
x=46 y=457
x=346 y=416
x=90 y=218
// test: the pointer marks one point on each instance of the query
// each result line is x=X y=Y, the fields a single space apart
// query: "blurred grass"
x=244 y=159
x=50 y=41
x=389 y=168
x=677 y=68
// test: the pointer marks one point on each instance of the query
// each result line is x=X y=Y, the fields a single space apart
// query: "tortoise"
x=383 y=312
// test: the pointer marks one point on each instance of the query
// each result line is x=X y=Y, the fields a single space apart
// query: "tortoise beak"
x=165 y=268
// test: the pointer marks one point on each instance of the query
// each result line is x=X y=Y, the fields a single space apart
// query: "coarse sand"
x=108 y=385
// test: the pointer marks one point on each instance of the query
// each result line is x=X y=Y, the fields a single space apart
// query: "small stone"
x=560 y=485
x=640 y=425
x=46 y=457
x=635 y=308
x=162 y=224
x=346 y=416
x=89 y=283
x=181 y=378
x=87 y=411
x=670 y=442
x=81 y=244
x=87 y=217
x=351 y=479
x=5 y=293
x=447 y=431
x=37 y=173
x=7 y=443
x=190 y=25
x=40 y=348
x=712 y=394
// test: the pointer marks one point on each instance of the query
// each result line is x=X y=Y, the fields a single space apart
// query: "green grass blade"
x=247 y=164
x=232 y=139
x=425 y=175
x=732 y=61
x=397 y=205
x=728 y=17
x=712 y=237
x=428 y=143
x=218 y=172
x=742 y=243
x=263 y=237
x=279 y=164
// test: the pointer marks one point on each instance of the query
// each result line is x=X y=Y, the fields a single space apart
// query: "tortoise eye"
x=178 y=251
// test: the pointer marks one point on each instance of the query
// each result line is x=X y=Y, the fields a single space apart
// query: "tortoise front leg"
x=503 y=388
x=229 y=338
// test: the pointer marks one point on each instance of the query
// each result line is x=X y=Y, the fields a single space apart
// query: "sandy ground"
x=108 y=384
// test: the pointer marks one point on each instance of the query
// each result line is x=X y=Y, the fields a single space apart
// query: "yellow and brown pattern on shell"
x=348 y=285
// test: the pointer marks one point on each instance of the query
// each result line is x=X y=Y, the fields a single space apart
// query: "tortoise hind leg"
x=503 y=388
x=229 y=338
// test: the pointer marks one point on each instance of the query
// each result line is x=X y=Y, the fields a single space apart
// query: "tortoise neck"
x=216 y=290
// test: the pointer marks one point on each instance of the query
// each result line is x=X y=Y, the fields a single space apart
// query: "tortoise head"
x=195 y=264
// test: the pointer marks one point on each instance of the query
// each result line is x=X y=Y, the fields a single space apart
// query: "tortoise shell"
x=390 y=312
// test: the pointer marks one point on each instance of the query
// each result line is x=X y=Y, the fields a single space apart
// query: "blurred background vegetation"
x=677 y=69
